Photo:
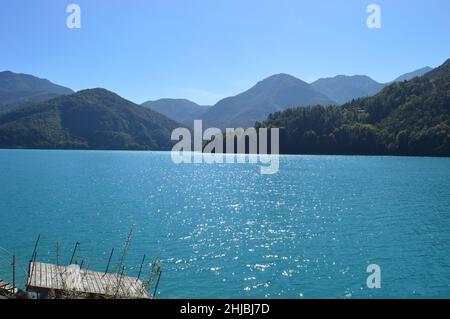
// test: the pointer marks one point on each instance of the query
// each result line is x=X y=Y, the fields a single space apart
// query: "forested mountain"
x=282 y=91
x=343 y=88
x=180 y=110
x=17 y=89
x=413 y=74
x=405 y=118
x=275 y=93
x=88 y=119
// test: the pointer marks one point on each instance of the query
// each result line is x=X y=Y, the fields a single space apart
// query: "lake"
x=225 y=230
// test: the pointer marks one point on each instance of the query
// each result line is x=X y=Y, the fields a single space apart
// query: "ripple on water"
x=227 y=231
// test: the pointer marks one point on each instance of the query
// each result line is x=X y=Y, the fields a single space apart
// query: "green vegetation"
x=179 y=110
x=17 y=89
x=405 y=118
x=275 y=93
x=343 y=89
x=89 y=119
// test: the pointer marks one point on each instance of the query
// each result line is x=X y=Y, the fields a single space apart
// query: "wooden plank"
x=132 y=286
x=125 y=287
x=140 y=287
x=40 y=277
x=38 y=274
x=99 y=282
x=119 y=290
x=32 y=274
x=85 y=284
x=35 y=283
x=44 y=277
x=94 y=286
x=55 y=277
x=42 y=281
x=58 y=278
x=88 y=281
x=112 y=284
x=48 y=278
x=53 y=284
x=128 y=284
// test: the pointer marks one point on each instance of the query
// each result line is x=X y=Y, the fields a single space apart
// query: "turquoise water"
x=226 y=231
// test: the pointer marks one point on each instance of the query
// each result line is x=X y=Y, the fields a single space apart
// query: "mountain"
x=405 y=118
x=88 y=119
x=16 y=89
x=180 y=110
x=413 y=74
x=275 y=93
x=344 y=88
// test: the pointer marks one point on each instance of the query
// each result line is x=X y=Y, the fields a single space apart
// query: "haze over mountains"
x=88 y=119
x=343 y=88
x=180 y=110
x=269 y=95
x=100 y=119
x=413 y=74
x=17 y=89
x=405 y=118
x=275 y=93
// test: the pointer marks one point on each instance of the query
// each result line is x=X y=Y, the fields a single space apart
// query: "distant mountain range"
x=88 y=119
x=36 y=113
x=275 y=93
x=342 y=88
x=412 y=75
x=180 y=110
x=270 y=95
x=405 y=118
x=17 y=89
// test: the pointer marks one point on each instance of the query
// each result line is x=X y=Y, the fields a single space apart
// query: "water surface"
x=227 y=231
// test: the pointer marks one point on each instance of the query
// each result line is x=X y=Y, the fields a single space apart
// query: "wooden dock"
x=49 y=278
x=6 y=289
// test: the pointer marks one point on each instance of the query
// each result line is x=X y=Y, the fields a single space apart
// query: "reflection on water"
x=227 y=231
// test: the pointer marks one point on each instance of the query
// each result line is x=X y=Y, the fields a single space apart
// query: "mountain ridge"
x=88 y=119
x=19 y=88
x=344 y=88
x=411 y=75
x=271 y=94
x=181 y=110
x=410 y=118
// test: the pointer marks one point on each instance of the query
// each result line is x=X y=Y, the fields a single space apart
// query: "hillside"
x=343 y=89
x=89 y=119
x=275 y=93
x=405 y=118
x=17 y=89
x=413 y=74
x=180 y=110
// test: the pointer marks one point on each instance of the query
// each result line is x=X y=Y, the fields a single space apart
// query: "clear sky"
x=204 y=50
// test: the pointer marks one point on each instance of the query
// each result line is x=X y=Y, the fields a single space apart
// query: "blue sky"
x=204 y=50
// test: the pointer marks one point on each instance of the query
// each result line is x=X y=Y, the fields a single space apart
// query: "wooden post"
x=14 y=272
x=57 y=253
x=31 y=270
x=36 y=244
x=74 y=251
x=33 y=255
x=140 y=268
x=157 y=282
x=109 y=261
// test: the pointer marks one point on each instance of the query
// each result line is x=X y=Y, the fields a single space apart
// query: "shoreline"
x=281 y=154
